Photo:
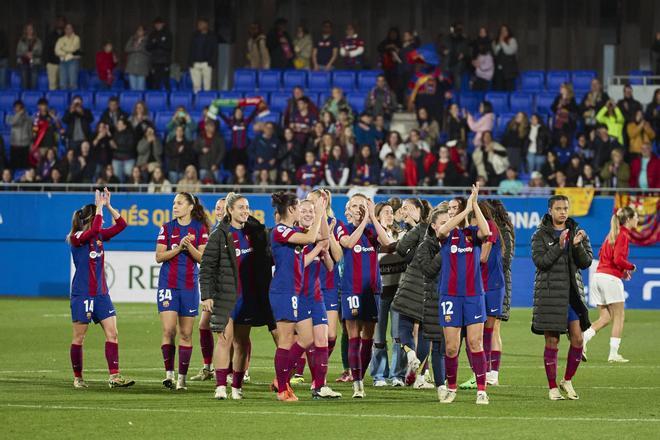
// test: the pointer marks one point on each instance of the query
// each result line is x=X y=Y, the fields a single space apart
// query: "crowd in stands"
x=587 y=141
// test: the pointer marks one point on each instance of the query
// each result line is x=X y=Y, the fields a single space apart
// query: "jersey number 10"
x=353 y=301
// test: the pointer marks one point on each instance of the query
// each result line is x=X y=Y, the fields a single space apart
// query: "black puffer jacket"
x=509 y=247
x=409 y=298
x=558 y=280
x=263 y=262
x=218 y=276
x=429 y=259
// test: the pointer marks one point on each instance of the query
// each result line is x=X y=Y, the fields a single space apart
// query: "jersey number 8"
x=353 y=302
x=294 y=302
x=164 y=294
x=447 y=308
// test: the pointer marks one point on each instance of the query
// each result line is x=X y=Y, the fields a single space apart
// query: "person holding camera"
x=181 y=118
x=78 y=120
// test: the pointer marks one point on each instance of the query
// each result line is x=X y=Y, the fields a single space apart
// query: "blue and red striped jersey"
x=288 y=258
x=330 y=280
x=89 y=257
x=461 y=272
x=244 y=261
x=361 y=268
x=182 y=271
x=311 y=275
x=492 y=271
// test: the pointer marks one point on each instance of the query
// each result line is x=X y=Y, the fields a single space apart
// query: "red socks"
x=479 y=367
x=572 y=362
x=237 y=379
x=488 y=343
x=451 y=367
x=365 y=355
x=300 y=364
x=550 y=360
x=206 y=343
x=354 y=358
x=184 y=359
x=495 y=357
x=112 y=356
x=295 y=352
x=168 y=351
x=221 y=376
x=281 y=369
x=76 y=352
x=320 y=369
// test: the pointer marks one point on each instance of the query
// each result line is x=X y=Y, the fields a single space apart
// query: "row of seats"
x=504 y=102
x=276 y=80
x=539 y=80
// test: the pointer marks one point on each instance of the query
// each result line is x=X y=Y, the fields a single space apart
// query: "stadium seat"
x=470 y=101
x=273 y=117
x=521 y=102
x=7 y=99
x=161 y=120
x=30 y=99
x=367 y=79
x=156 y=101
x=245 y=80
x=58 y=99
x=637 y=76
x=127 y=100
x=204 y=99
x=345 y=80
x=186 y=81
x=2 y=120
x=269 y=80
x=86 y=96
x=544 y=103
x=532 y=81
x=231 y=95
x=318 y=81
x=357 y=101
x=42 y=81
x=14 y=80
x=195 y=115
x=278 y=101
x=293 y=78
x=499 y=100
x=555 y=78
x=501 y=123
x=322 y=98
x=182 y=98
x=101 y=99
x=83 y=79
x=581 y=79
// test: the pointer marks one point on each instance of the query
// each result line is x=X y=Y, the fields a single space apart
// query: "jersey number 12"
x=447 y=307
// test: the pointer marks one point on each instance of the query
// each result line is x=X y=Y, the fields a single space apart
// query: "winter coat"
x=159 y=45
x=214 y=156
x=23 y=47
x=429 y=259
x=218 y=276
x=68 y=47
x=137 y=57
x=21 y=130
x=409 y=298
x=148 y=152
x=257 y=53
x=508 y=246
x=558 y=281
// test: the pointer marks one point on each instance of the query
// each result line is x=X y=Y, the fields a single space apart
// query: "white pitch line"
x=344 y=415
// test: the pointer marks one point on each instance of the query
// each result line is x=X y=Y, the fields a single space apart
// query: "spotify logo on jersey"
x=357 y=249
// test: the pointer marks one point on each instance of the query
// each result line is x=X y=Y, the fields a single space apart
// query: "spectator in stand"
x=325 y=148
x=484 y=69
x=292 y=106
x=239 y=128
x=482 y=39
x=159 y=45
x=381 y=100
x=365 y=132
x=560 y=179
x=565 y=111
x=615 y=173
x=351 y=49
x=458 y=53
x=511 y=186
x=158 y=182
x=52 y=60
x=550 y=168
x=429 y=129
x=394 y=145
x=189 y=182
x=28 y=57
x=584 y=148
x=564 y=150
x=588 y=179
x=20 y=137
x=263 y=151
x=291 y=154
x=263 y=179
x=135 y=180
x=447 y=171
x=416 y=169
x=604 y=144
x=6 y=178
x=336 y=169
x=343 y=121
x=485 y=123
x=181 y=117
x=302 y=47
x=409 y=44
x=388 y=51
x=573 y=170
x=4 y=59
x=30 y=176
x=380 y=131
x=515 y=140
x=415 y=141
x=390 y=173
x=88 y=165
x=640 y=132
x=149 y=152
x=653 y=111
x=645 y=170
x=3 y=160
x=179 y=154
x=240 y=176
x=125 y=151
x=45 y=129
x=78 y=121
x=326 y=50
x=106 y=62
x=366 y=169
x=455 y=125
x=202 y=55
x=538 y=144
x=138 y=59
x=103 y=145
x=280 y=46
x=303 y=121
x=67 y=49
x=347 y=141
x=55 y=178
x=67 y=164
x=430 y=93
x=315 y=139
x=257 y=51
x=613 y=118
x=336 y=103
x=505 y=49
x=310 y=173
x=47 y=163
x=628 y=105
x=113 y=114
x=494 y=159
x=536 y=185
x=140 y=119
x=593 y=101
x=210 y=150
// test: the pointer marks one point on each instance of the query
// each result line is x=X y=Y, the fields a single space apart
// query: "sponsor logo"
x=455 y=249
x=447 y=318
x=551 y=243
x=95 y=254
x=295 y=313
x=333 y=305
x=493 y=310
x=477 y=316
x=355 y=312
x=359 y=249
x=111 y=312
x=298 y=250
x=240 y=252
x=192 y=310
x=166 y=303
x=175 y=236
x=162 y=230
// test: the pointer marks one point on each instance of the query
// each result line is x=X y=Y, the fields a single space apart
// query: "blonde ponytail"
x=621 y=216
x=230 y=201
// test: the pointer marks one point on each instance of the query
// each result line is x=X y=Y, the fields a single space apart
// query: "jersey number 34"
x=164 y=294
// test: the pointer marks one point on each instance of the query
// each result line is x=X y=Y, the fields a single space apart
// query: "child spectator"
x=106 y=61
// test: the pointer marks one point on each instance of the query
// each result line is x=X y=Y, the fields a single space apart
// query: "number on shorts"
x=164 y=294
x=89 y=305
x=294 y=302
x=447 y=307
x=353 y=302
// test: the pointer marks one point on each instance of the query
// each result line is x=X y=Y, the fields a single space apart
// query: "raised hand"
x=99 y=200
x=579 y=237
x=106 y=195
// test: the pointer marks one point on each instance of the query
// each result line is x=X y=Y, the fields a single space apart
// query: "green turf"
x=37 y=399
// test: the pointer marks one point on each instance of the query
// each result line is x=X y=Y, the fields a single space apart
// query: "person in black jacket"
x=560 y=250
x=78 y=120
x=113 y=114
x=280 y=46
x=202 y=55
x=159 y=45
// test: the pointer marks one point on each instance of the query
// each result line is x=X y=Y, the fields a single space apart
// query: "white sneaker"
x=428 y=377
x=492 y=378
x=246 y=377
x=326 y=393
x=220 y=392
x=567 y=387
x=230 y=378
x=380 y=383
x=584 y=349
x=482 y=398
x=445 y=395
x=617 y=358
x=79 y=383
x=181 y=383
x=554 y=394
x=358 y=390
x=413 y=365
x=396 y=382
x=236 y=393
x=422 y=384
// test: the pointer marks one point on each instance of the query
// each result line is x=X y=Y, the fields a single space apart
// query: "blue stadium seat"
x=294 y=78
x=127 y=100
x=7 y=98
x=42 y=81
x=195 y=115
x=345 y=80
x=83 y=79
x=86 y=96
x=470 y=101
x=532 y=81
x=555 y=78
x=2 y=120
x=229 y=95
x=245 y=79
x=367 y=79
x=156 y=101
x=161 y=120
x=269 y=80
x=357 y=101
x=278 y=101
x=522 y=102
x=318 y=81
x=204 y=99
x=182 y=98
x=101 y=99
x=58 y=99
x=581 y=79
x=638 y=75
x=272 y=116
x=500 y=101
x=544 y=103
x=96 y=115
x=322 y=98
x=502 y=121
x=14 y=80
x=186 y=81
x=30 y=98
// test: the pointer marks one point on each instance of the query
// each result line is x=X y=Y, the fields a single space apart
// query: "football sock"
x=550 y=360
x=590 y=333
x=282 y=369
x=77 y=359
x=573 y=362
x=366 y=347
x=206 y=343
x=614 y=346
x=221 y=376
x=451 y=367
x=479 y=365
x=168 y=351
x=438 y=361
x=354 y=358
x=112 y=356
x=237 y=379
x=300 y=365
x=331 y=346
x=488 y=343
x=344 y=351
x=320 y=362
x=295 y=352
x=184 y=359
x=310 y=353
x=495 y=357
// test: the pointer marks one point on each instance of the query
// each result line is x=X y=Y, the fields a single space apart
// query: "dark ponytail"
x=282 y=201
x=198 y=213
x=424 y=208
x=81 y=218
